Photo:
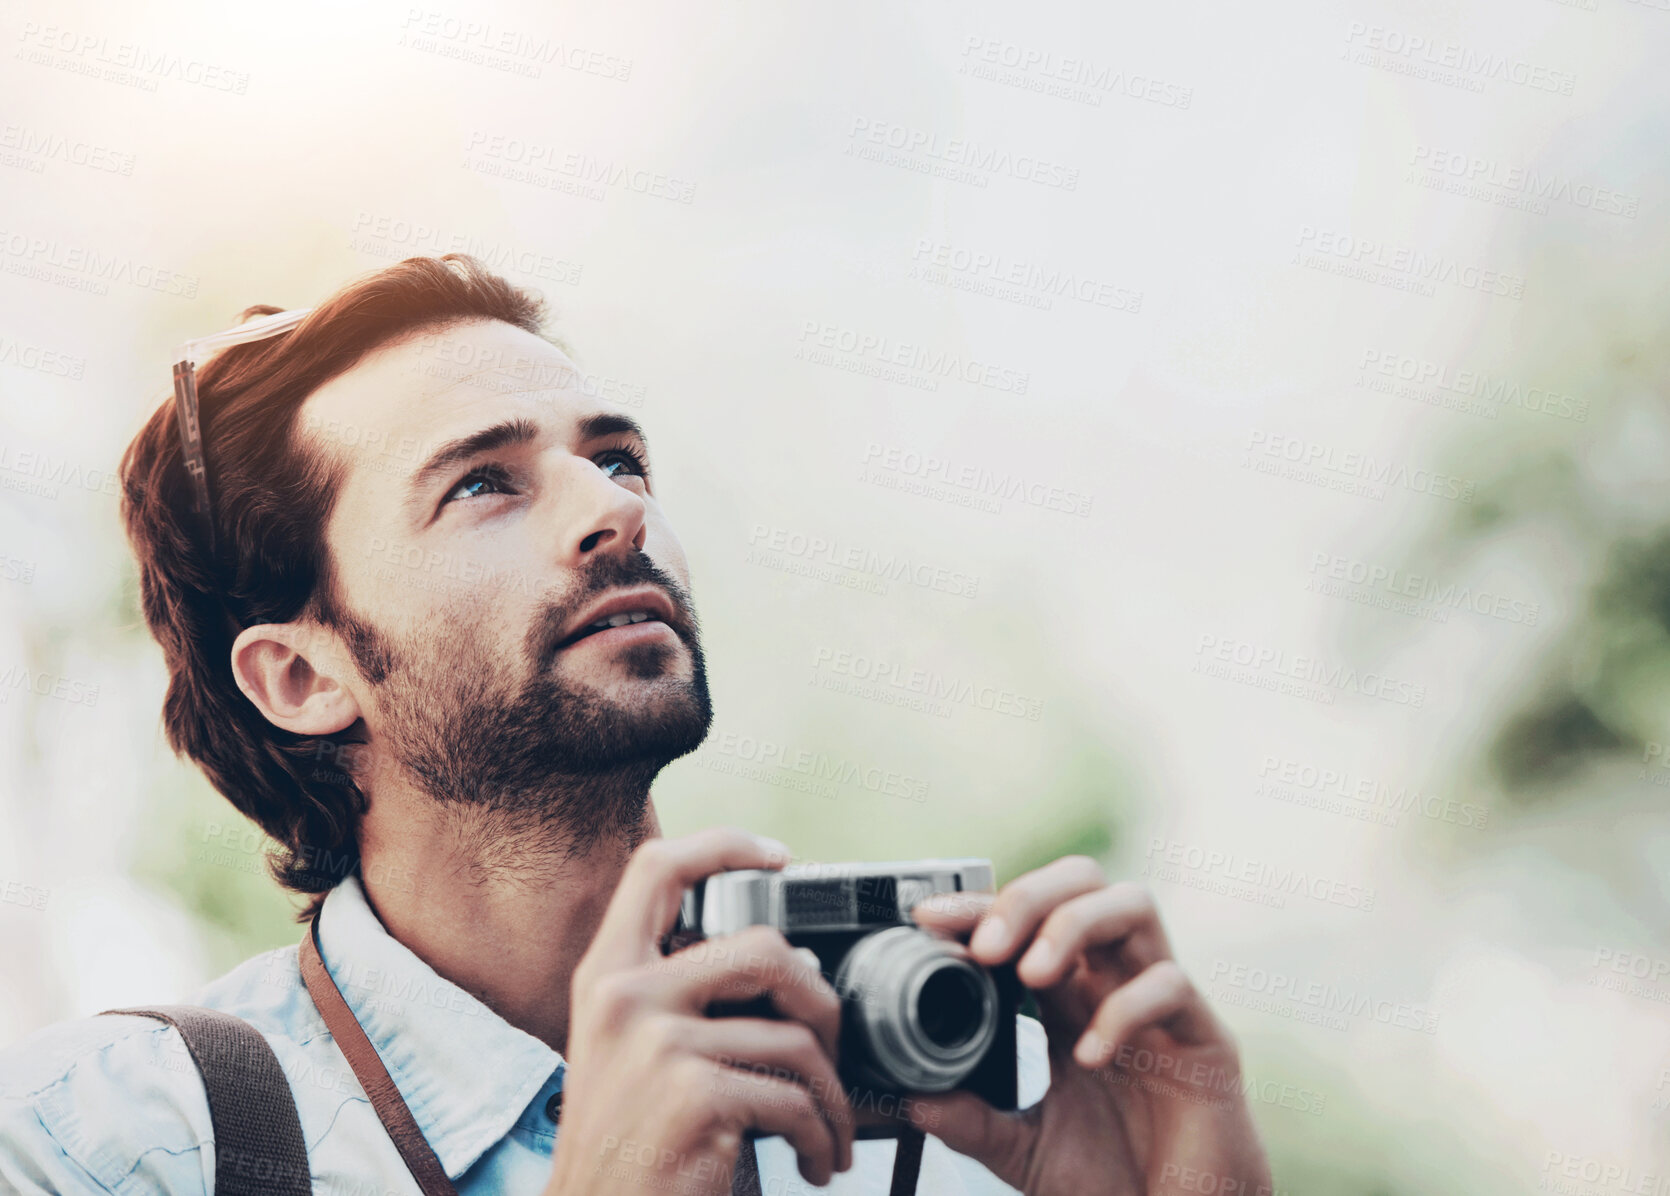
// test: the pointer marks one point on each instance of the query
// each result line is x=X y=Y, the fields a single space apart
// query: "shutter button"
x=553 y=1107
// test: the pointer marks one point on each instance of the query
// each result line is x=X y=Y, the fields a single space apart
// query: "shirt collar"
x=465 y=1072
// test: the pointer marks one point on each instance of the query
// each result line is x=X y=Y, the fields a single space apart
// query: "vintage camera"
x=917 y=1013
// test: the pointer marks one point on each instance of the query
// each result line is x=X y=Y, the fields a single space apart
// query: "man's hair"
x=272 y=495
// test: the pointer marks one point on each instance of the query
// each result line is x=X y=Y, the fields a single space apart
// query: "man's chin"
x=628 y=683
x=662 y=701
x=658 y=717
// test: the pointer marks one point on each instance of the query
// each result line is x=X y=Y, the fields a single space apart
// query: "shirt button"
x=553 y=1107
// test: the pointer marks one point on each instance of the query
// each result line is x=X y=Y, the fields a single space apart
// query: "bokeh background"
x=1246 y=423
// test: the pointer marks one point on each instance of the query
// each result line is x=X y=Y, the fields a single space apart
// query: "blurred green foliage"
x=1589 y=499
x=220 y=878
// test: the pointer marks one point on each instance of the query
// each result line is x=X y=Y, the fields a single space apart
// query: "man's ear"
x=290 y=671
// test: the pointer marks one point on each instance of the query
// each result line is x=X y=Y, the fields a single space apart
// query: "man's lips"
x=620 y=637
x=625 y=616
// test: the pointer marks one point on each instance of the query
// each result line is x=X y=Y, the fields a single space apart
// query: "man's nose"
x=599 y=514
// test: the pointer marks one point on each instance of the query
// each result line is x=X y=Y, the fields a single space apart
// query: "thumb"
x=1002 y=1142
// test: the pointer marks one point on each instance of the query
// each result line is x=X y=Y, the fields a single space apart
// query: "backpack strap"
x=259 y=1149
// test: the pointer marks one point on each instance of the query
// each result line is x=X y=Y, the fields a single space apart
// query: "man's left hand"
x=1145 y=1083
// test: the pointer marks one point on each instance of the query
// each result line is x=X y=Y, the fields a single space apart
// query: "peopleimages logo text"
x=937 y=363
x=96 y=266
x=1362 y=467
x=1466 y=62
x=1529 y=181
x=1416 y=264
x=932 y=468
x=963 y=153
x=820 y=766
x=1278 y=662
x=1368 y=792
x=1492 y=389
x=1422 y=588
x=1167 y=858
x=889 y=566
x=148 y=62
x=1321 y=996
x=879 y=671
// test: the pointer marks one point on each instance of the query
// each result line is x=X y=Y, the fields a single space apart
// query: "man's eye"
x=621 y=462
x=489 y=479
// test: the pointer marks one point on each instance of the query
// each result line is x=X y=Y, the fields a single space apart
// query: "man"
x=429 y=626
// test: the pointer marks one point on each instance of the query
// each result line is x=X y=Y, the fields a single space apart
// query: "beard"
x=528 y=747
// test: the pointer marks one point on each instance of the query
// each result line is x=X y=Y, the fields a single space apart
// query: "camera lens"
x=924 y=1012
x=949 y=1007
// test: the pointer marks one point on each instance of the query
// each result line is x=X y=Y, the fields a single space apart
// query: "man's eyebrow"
x=455 y=452
x=609 y=424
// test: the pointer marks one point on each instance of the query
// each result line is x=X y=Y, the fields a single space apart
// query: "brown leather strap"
x=258 y=1144
x=414 y=1148
x=391 y=1107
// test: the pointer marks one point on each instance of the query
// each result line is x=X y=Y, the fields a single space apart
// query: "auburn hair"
x=271 y=497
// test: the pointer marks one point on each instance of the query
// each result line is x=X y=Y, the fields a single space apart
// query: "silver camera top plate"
x=805 y=897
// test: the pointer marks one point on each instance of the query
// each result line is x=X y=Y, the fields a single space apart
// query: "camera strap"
x=390 y=1106
x=907 y=1163
x=414 y=1148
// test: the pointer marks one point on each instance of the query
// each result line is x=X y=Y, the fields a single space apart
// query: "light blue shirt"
x=115 y=1103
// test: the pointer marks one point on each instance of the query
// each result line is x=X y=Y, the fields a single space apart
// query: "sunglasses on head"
x=185 y=400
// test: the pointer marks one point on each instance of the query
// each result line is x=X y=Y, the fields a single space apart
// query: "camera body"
x=917 y=1013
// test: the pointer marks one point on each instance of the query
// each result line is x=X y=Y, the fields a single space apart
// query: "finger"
x=1001 y=1142
x=1065 y=1011
x=1103 y=918
x=773 y=1106
x=1161 y=995
x=756 y=962
x=782 y=1051
x=1025 y=902
x=953 y=914
x=647 y=899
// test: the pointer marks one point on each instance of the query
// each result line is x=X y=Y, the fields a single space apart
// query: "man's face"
x=491 y=519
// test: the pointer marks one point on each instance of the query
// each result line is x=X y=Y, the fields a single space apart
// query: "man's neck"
x=504 y=911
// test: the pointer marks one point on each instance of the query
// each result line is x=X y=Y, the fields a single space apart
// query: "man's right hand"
x=657 y=1094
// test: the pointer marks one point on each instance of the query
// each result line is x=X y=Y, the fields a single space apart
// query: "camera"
x=917 y=1013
